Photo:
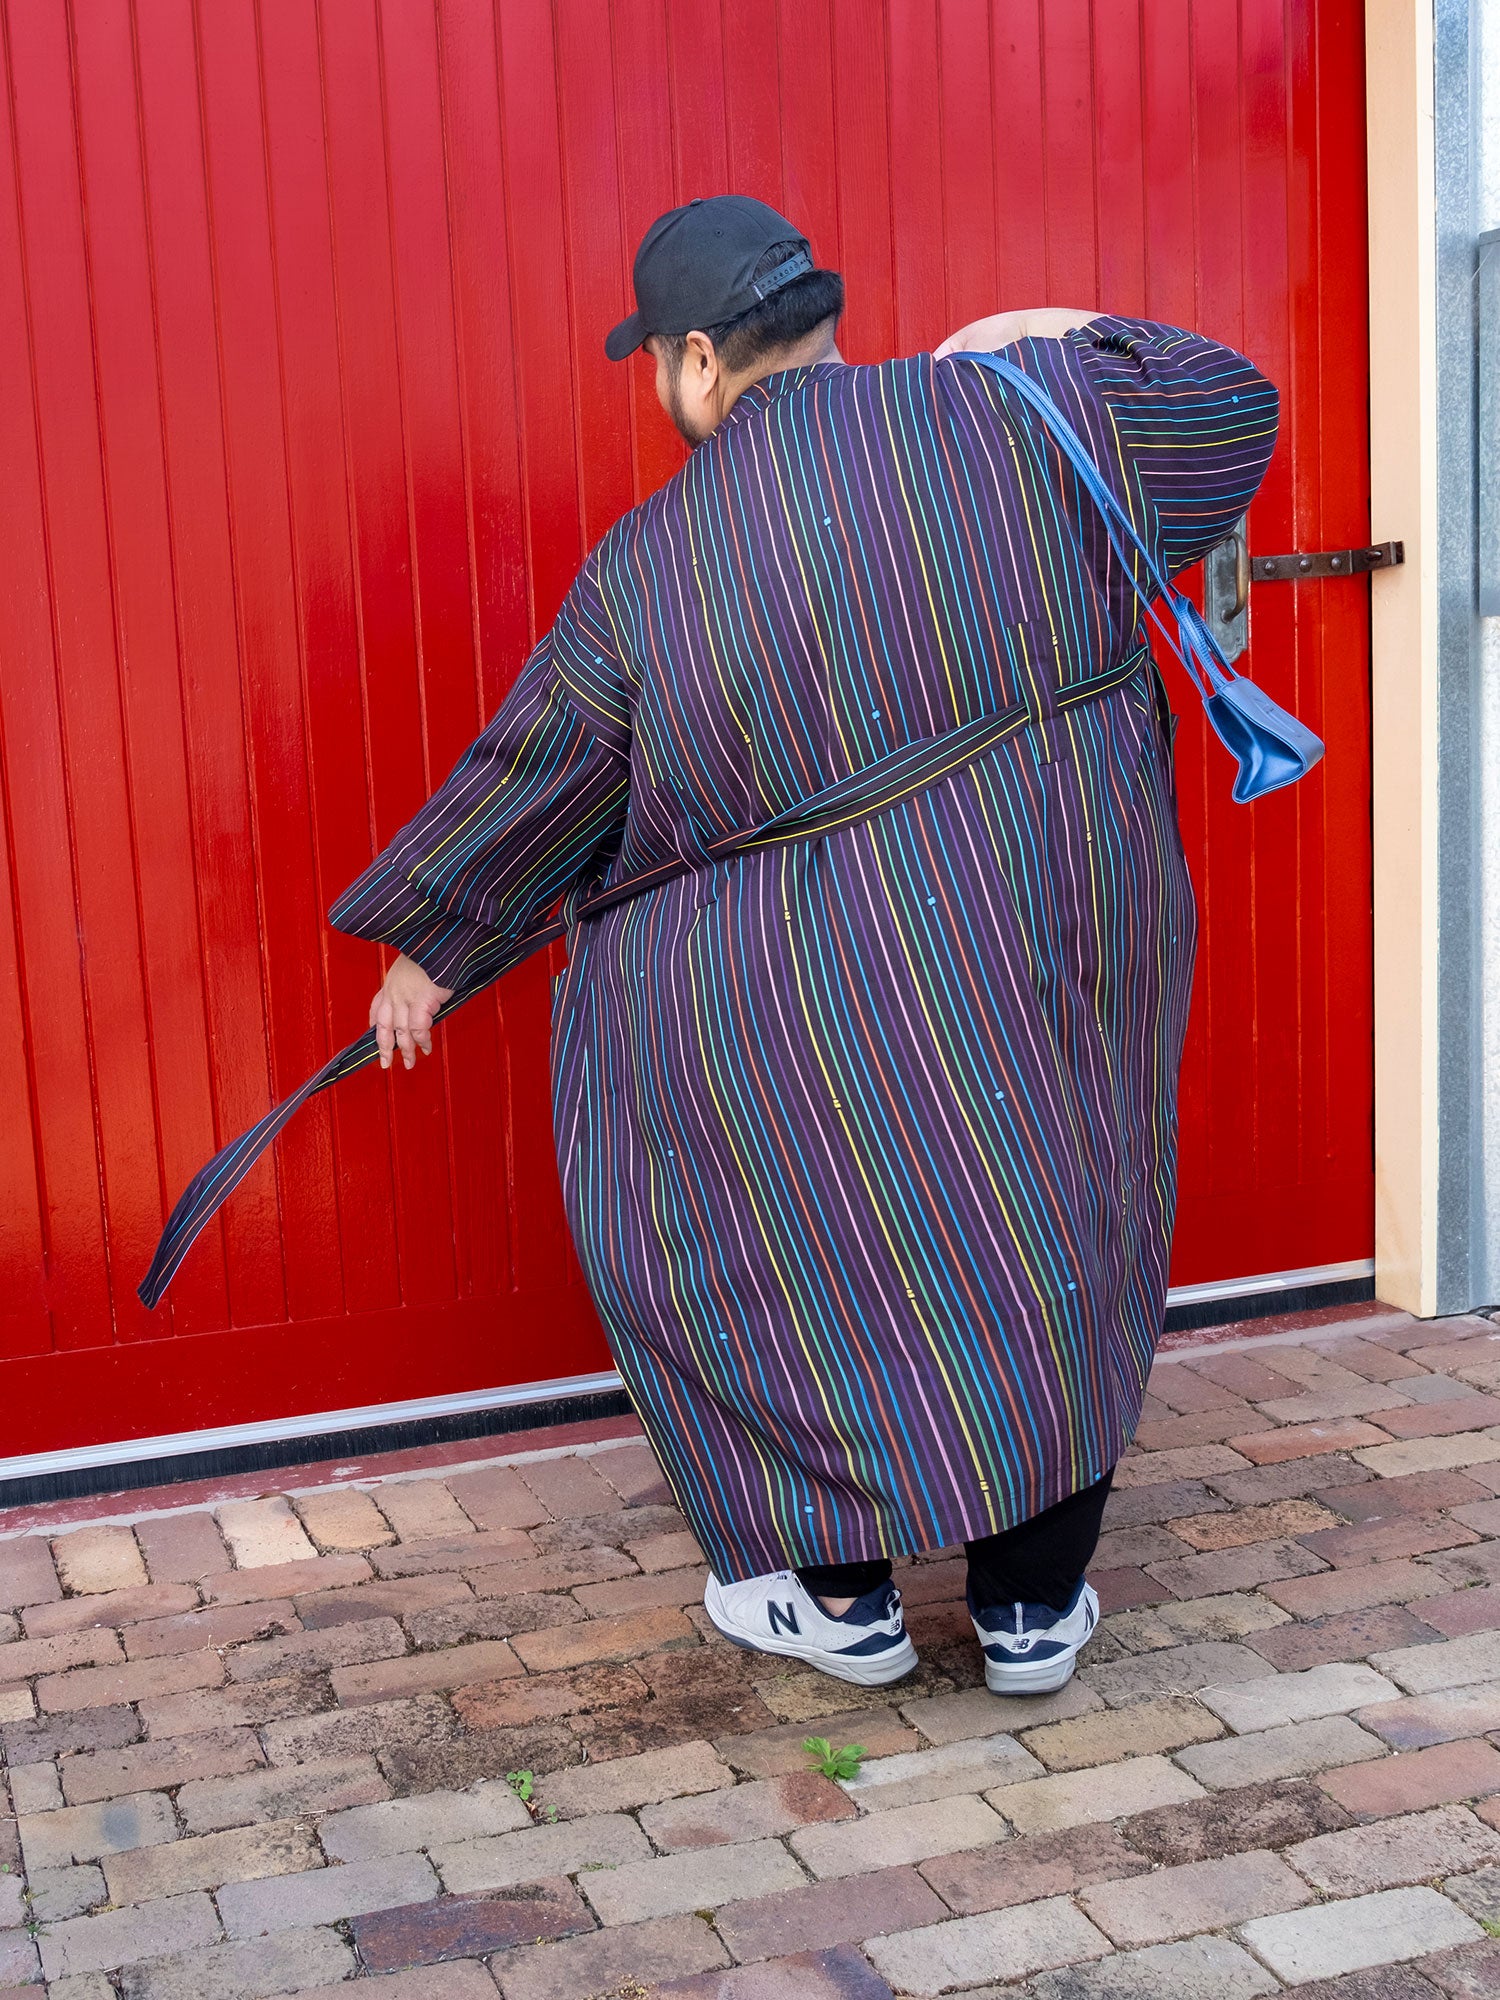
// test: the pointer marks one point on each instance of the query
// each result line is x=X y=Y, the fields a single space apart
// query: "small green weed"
x=523 y=1784
x=31 y=1922
x=833 y=1763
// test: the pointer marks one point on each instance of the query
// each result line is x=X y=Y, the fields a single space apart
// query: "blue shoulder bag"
x=1271 y=748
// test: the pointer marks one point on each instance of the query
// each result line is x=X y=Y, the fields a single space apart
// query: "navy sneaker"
x=1030 y=1648
x=778 y=1614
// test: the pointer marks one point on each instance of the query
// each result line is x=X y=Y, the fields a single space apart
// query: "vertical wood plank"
x=474 y=1053
x=695 y=80
x=752 y=110
x=643 y=138
x=1121 y=190
x=116 y=1099
x=809 y=166
x=140 y=581
x=254 y=364
x=917 y=219
x=599 y=261
x=1020 y=144
x=53 y=1234
x=533 y=178
x=339 y=633
x=862 y=137
x=1334 y=628
x=968 y=160
x=431 y=422
x=223 y=893
x=1071 y=140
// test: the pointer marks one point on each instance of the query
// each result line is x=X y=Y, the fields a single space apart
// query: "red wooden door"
x=306 y=426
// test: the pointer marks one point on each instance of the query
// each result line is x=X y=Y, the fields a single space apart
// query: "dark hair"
x=781 y=320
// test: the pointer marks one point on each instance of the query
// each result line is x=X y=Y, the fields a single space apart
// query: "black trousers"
x=1037 y=1562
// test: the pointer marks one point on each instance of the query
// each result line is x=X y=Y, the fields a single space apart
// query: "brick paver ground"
x=455 y=1724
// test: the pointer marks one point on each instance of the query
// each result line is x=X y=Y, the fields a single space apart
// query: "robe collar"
x=771 y=388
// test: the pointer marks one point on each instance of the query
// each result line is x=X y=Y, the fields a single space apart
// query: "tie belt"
x=888 y=782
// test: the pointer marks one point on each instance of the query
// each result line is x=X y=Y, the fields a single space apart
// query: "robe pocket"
x=554 y=996
x=571 y=1024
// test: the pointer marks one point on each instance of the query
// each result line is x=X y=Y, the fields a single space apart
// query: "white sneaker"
x=778 y=1614
x=1030 y=1648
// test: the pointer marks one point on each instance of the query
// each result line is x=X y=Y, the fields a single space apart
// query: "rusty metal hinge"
x=1331 y=562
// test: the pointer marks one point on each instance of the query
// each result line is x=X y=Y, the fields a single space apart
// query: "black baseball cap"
x=695 y=264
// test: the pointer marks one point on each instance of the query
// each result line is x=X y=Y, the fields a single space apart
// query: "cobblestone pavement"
x=455 y=1729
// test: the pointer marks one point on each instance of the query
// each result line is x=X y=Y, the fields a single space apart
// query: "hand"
x=987 y=336
x=401 y=1012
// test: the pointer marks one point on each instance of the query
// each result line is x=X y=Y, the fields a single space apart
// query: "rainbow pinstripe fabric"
x=867 y=1142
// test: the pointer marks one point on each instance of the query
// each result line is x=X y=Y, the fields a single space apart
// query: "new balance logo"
x=783 y=1618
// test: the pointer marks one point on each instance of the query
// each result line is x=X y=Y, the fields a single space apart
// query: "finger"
x=419 y=1020
x=380 y=1021
x=401 y=1022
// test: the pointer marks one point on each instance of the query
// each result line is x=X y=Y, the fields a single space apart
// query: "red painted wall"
x=306 y=426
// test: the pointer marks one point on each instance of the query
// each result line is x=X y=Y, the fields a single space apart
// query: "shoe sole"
x=1029 y=1677
x=1036 y=1676
x=876 y=1672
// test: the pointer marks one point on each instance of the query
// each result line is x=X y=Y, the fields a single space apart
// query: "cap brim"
x=626 y=337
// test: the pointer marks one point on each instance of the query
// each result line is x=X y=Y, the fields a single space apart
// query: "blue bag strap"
x=1193 y=644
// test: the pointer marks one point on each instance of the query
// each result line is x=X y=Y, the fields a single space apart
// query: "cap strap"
x=794 y=267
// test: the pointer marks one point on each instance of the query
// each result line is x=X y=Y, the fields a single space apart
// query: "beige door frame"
x=1403 y=504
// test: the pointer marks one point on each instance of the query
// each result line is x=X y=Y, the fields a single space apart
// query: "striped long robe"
x=867 y=1143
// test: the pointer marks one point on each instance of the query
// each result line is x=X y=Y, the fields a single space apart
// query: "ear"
x=700 y=364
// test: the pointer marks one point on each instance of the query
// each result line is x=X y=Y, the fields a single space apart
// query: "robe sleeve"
x=1187 y=424
x=1181 y=427
x=536 y=804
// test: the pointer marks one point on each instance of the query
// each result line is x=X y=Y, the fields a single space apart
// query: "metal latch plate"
x=1330 y=562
